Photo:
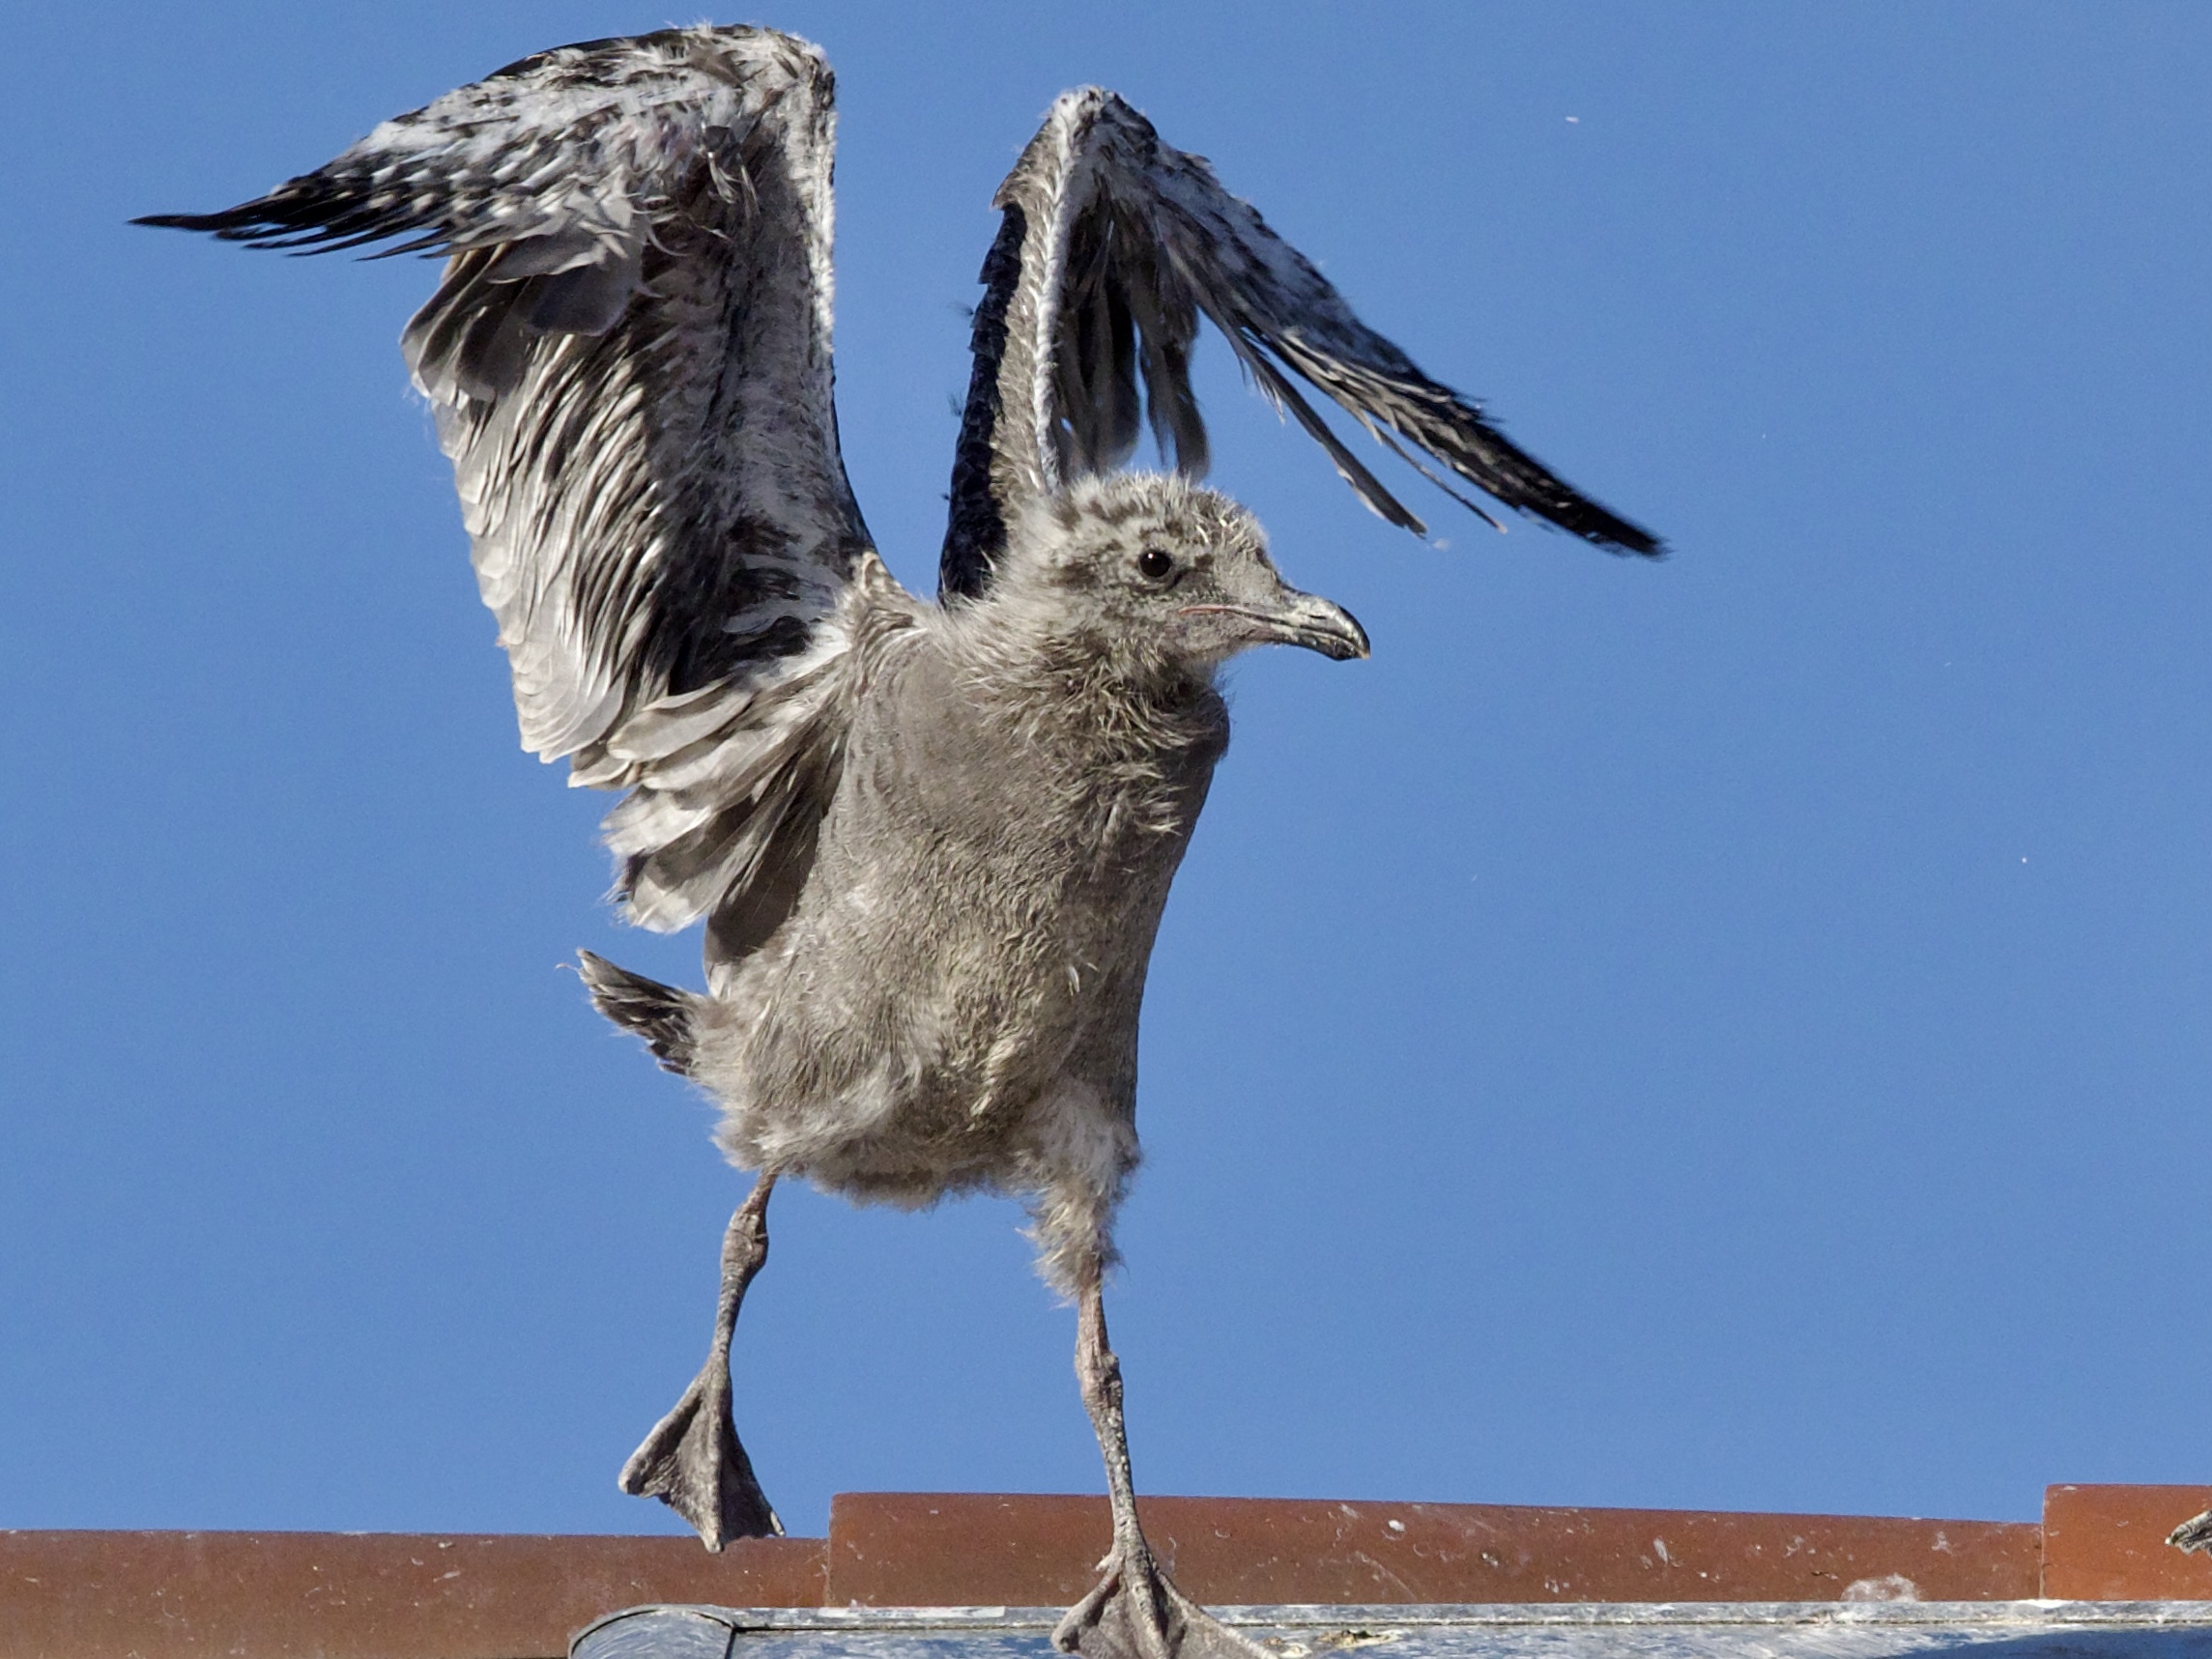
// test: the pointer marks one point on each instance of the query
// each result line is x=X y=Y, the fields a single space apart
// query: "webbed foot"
x=694 y=1463
x=1137 y=1613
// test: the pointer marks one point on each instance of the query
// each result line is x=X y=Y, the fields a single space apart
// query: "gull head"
x=1161 y=573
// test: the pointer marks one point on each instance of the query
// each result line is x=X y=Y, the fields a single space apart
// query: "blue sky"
x=1725 y=1034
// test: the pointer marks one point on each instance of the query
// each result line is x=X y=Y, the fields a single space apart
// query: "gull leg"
x=691 y=1461
x=1135 y=1613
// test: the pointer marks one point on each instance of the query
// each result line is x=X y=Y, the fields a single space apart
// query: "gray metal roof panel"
x=1611 y=1630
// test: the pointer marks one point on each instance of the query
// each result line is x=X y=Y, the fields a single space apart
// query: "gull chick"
x=930 y=842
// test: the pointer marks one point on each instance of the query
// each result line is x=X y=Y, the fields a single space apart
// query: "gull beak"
x=1295 y=618
x=1320 y=625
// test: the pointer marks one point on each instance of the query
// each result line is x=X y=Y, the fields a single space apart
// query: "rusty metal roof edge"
x=2042 y=1614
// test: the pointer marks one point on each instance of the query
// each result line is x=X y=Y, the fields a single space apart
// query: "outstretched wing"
x=1111 y=246
x=629 y=360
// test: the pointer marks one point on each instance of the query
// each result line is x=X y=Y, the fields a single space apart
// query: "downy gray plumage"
x=929 y=844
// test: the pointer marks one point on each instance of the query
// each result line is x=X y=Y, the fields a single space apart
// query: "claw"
x=694 y=1463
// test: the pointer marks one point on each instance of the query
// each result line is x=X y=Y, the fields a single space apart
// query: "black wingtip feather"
x=1601 y=527
x=255 y=221
x=316 y=212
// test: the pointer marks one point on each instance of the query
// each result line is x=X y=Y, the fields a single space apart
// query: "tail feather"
x=658 y=1013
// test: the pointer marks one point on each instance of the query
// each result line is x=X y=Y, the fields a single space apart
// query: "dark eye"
x=1154 y=565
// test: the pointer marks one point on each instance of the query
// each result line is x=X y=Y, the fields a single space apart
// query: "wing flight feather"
x=629 y=361
x=1112 y=245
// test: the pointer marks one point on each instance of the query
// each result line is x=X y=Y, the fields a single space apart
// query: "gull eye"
x=1154 y=565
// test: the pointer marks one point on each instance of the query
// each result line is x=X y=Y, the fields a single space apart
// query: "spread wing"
x=1111 y=246
x=629 y=360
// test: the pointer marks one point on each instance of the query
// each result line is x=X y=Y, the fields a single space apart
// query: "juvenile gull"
x=929 y=844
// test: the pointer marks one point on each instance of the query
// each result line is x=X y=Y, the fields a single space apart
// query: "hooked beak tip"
x=1330 y=629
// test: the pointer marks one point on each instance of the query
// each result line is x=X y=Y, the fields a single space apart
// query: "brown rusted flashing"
x=2108 y=1543
x=347 y=1595
x=898 y=1549
x=320 y=1595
